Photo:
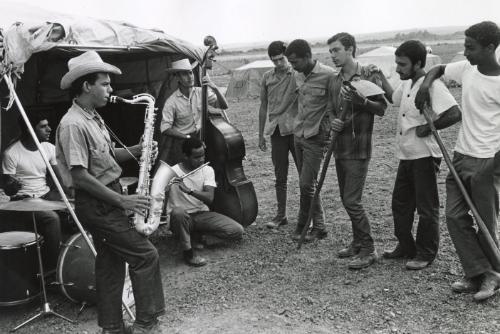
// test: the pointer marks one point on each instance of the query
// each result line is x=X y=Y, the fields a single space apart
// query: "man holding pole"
x=473 y=161
x=353 y=145
x=415 y=187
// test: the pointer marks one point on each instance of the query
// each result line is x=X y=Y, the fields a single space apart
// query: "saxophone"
x=144 y=224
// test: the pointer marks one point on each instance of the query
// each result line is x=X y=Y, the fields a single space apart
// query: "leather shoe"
x=125 y=329
x=296 y=234
x=363 y=260
x=315 y=234
x=417 y=264
x=276 y=222
x=396 y=253
x=465 y=285
x=489 y=286
x=349 y=251
x=195 y=261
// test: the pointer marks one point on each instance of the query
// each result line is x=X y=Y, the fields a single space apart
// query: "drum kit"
x=20 y=255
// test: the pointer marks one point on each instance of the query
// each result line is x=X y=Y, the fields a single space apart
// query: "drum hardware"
x=32 y=205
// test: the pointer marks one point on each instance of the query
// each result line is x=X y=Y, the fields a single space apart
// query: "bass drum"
x=76 y=273
x=18 y=268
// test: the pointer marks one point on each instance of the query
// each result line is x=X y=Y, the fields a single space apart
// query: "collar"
x=289 y=70
x=179 y=93
x=89 y=114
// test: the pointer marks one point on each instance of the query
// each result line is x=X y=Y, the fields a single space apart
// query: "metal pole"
x=12 y=90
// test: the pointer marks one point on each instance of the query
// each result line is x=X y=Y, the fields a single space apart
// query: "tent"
x=39 y=44
x=245 y=80
x=384 y=58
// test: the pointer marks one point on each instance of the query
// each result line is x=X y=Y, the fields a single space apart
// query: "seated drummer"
x=188 y=203
x=25 y=175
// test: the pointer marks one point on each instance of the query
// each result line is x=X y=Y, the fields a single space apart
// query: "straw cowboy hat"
x=181 y=65
x=86 y=63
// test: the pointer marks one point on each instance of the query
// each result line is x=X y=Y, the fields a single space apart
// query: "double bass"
x=225 y=149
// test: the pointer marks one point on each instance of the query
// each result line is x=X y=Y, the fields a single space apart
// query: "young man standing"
x=181 y=114
x=311 y=129
x=353 y=145
x=278 y=103
x=419 y=157
x=90 y=163
x=477 y=143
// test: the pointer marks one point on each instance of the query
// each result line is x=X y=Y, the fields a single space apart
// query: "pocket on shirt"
x=100 y=161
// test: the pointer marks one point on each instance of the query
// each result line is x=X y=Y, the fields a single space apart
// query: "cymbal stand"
x=46 y=310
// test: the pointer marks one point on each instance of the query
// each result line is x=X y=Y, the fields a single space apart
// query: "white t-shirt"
x=196 y=181
x=408 y=145
x=28 y=167
x=479 y=135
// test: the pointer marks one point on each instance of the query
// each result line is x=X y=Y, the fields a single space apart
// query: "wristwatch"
x=190 y=192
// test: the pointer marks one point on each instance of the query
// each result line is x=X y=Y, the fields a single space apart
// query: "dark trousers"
x=184 y=225
x=478 y=178
x=309 y=153
x=117 y=242
x=416 y=189
x=351 y=175
x=170 y=148
x=280 y=147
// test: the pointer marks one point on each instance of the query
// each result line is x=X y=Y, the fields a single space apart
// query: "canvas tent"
x=384 y=58
x=38 y=48
x=245 y=80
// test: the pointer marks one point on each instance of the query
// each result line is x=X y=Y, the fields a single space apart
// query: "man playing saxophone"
x=188 y=201
x=90 y=164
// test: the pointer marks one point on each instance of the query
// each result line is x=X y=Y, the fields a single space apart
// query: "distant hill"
x=430 y=33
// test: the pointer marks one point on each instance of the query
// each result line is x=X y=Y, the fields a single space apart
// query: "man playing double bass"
x=182 y=112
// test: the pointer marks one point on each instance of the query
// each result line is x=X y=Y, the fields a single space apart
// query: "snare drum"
x=76 y=272
x=19 y=281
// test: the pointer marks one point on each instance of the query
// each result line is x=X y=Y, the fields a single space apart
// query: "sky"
x=247 y=21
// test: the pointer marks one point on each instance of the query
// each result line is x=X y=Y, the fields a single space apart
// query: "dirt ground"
x=264 y=285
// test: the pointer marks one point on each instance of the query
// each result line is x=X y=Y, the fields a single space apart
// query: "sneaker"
x=417 y=264
x=397 y=253
x=276 y=222
x=315 y=234
x=489 y=286
x=363 y=260
x=349 y=251
x=465 y=285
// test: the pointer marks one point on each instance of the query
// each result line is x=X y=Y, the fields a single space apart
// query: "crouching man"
x=188 y=201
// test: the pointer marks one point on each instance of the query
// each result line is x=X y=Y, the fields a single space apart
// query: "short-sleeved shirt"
x=277 y=90
x=479 y=135
x=183 y=113
x=83 y=140
x=28 y=167
x=408 y=145
x=314 y=99
x=355 y=140
x=196 y=181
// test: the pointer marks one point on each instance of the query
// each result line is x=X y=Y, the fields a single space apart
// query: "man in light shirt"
x=477 y=143
x=419 y=157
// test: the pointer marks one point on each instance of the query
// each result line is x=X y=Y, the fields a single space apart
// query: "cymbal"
x=32 y=204
x=128 y=180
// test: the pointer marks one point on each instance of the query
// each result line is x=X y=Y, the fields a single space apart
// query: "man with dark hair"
x=419 y=157
x=182 y=110
x=188 y=201
x=311 y=129
x=353 y=145
x=25 y=175
x=90 y=161
x=477 y=143
x=277 y=89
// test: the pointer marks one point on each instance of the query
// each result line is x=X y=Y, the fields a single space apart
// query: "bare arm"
x=11 y=184
x=122 y=155
x=423 y=95
x=221 y=99
x=206 y=195
x=386 y=86
x=83 y=180
x=262 y=115
x=446 y=119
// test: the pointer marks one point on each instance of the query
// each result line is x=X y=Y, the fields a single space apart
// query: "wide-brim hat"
x=86 y=63
x=180 y=66
x=367 y=88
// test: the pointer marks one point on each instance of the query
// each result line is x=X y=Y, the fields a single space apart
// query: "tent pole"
x=12 y=90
